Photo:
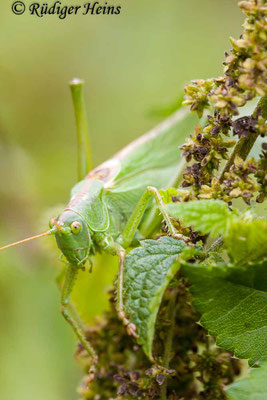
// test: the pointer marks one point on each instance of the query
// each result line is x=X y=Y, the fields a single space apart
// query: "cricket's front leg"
x=60 y=279
x=70 y=278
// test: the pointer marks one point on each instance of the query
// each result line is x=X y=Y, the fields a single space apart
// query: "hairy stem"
x=216 y=245
x=172 y=308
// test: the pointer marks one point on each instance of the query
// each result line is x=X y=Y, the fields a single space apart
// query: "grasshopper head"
x=72 y=236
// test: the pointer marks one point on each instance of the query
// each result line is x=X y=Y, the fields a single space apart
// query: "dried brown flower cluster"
x=245 y=77
x=124 y=371
x=238 y=182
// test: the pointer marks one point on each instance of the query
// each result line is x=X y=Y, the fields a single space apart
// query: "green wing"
x=152 y=160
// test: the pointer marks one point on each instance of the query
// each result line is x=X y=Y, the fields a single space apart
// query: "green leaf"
x=253 y=387
x=149 y=269
x=233 y=304
x=207 y=216
x=262 y=104
x=246 y=241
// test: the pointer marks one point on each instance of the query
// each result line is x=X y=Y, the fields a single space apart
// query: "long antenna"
x=84 y=148
x=50 y=232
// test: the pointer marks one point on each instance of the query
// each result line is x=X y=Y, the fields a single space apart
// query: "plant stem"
x=242 y=149
x=244 y=145
x=232 y=158
x=172 y=308
x=84 y=148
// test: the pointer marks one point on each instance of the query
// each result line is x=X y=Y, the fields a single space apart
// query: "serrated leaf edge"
x=251 y=362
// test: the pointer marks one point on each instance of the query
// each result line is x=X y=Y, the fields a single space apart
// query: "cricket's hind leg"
x=125 y=241
x=130 y=327
x=173 y=232
x=126 y=238
x=73 y=321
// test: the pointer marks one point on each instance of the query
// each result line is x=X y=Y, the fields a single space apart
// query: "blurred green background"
x=133 y=64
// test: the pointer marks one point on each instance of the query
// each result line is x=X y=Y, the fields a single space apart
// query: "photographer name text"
x=63 y=11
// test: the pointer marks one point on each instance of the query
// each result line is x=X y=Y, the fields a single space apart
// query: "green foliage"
x=245 y=238
x=246 y=241
x=149 y=269
x=207 y=216
x=233 y=304
x=253 y=387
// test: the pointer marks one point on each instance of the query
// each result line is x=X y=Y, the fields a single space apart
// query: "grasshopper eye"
x=51 y=223
x=76 y=227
